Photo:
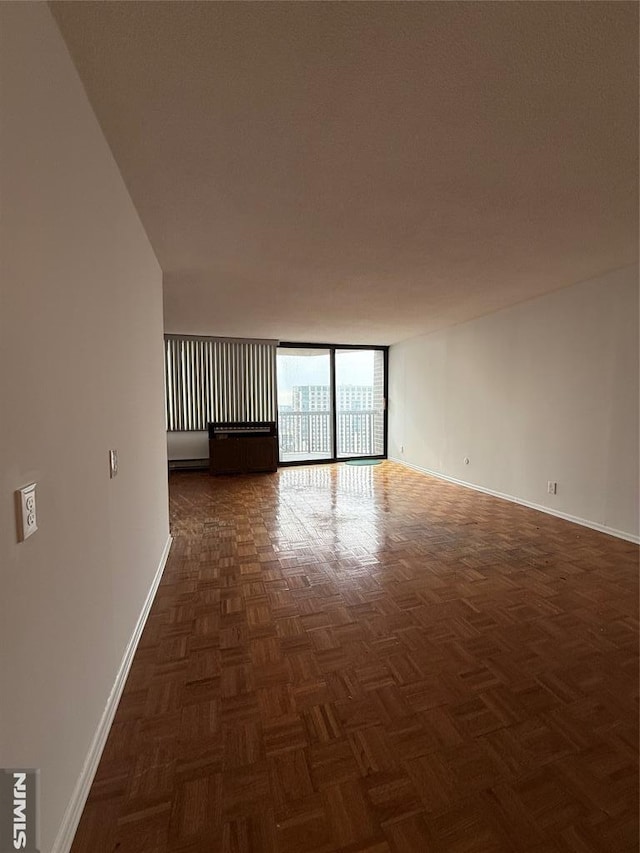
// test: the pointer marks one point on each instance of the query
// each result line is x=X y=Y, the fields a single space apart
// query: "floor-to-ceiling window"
x=360 y=402
x=305 y=422
x=331 y=402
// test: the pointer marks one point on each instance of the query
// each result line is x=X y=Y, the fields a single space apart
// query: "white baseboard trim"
x=584 y=522
x=73 y=813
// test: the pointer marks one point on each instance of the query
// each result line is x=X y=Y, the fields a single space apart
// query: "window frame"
x=332 y=348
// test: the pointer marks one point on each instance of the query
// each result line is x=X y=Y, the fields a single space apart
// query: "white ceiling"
x=366 y=172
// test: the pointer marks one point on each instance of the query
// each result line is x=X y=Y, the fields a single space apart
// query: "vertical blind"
x=212 y=379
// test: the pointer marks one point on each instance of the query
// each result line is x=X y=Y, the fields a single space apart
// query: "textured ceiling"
x=365 y=172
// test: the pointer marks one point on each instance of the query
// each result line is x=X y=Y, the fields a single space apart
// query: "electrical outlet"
x=552 y=487
x=113 y=464
x=26 y=511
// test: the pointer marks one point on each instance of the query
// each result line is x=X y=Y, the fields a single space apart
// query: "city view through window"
x=305 y=398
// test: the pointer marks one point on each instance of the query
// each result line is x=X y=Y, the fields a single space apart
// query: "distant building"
x=315 y=398
x=305 y=426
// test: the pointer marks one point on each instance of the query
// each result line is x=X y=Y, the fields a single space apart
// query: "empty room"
x=319 y=438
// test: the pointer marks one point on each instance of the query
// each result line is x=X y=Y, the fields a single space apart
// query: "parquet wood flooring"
x=369 y=659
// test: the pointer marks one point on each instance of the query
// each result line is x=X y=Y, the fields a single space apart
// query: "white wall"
x=545 y=390
x=80 y=372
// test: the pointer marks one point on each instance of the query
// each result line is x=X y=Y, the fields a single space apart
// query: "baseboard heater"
x=188 y=464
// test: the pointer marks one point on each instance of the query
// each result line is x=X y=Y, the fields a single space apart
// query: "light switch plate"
x=26 y=511
x=113 y=463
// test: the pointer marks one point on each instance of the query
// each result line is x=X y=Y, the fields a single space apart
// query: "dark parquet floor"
x=369 y=659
